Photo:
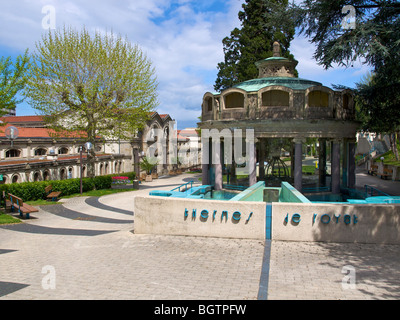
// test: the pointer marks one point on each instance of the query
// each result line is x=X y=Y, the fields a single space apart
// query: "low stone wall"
x=366 y=223
x=353 y=223
x=206 y=218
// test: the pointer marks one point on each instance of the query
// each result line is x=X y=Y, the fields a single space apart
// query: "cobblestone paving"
x=300 y=270
x=94 y=255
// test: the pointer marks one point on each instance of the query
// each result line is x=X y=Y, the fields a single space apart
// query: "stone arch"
x=283 y=96
x=40 y=151
x=347 y=99
x=63 y=173
x=16 y=178
x=37 y=176
x=234 y=98
x=46 y=175
x=5 y=180
x=13 y=153
x=210 y=107
x=101 y=169
x=63 y=150
x=319 y=102
x=319 y=96
x=70 y=173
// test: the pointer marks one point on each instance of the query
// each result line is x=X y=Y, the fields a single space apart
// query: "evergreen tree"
x=253 y=42
x=373 y=37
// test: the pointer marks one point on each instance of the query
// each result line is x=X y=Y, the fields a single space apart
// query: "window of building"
x=318 y=99
x=346 y=101
x=63 y=150
x=46 y=176
x=209 y=104
x=36 y=176
x=275 y=98
x=40 y=152
x=15 y=179
x=234 y=100
x=63 y=174
x=13 y=153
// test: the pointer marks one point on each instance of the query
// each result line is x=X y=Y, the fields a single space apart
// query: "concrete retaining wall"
x=336 y=223
x=206 y=218
x=362 y=223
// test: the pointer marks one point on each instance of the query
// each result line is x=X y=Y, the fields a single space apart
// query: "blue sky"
x=183 y=38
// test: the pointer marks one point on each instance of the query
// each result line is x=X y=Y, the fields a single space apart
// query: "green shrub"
x=28 y=191
x=31 y=191
x=67 y=187
x=102 y=182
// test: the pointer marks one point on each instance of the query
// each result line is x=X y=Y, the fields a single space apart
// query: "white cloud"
x=308 y=67
x=183 y=41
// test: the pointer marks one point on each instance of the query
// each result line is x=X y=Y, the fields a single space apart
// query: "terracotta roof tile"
x=22 y=119
x=24 y=132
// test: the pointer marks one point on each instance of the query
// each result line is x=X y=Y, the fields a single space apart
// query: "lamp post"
x=88 y=146
x=12 y=134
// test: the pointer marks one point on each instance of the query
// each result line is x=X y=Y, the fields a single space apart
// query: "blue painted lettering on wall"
x=324 y=218
x=237 y=216
x=296 y=218
x=204 y=215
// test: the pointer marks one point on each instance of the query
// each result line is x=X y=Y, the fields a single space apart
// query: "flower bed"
x=121 y=180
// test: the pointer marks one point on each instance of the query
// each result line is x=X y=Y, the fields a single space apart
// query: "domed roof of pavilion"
x=292 y=83
x=276 y=71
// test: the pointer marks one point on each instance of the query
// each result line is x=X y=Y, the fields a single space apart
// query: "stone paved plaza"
x=84 y=249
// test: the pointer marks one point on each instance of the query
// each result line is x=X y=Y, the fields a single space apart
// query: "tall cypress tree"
x=253 y=42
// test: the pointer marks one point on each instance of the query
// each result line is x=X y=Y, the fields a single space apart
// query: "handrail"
x=184 y=185
x=234 y=187
x=372 y=189
x=316 y=189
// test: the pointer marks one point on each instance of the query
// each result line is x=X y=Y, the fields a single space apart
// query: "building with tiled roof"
x=38 y=153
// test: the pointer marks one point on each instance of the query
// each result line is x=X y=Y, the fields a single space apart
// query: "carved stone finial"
x=277 y=49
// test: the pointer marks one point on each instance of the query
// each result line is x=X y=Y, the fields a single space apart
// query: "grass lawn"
x=7 y=219
x=389 y=159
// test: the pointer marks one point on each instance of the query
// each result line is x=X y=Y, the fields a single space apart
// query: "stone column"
x=136 y=161
x=352 y=164
x=218 y=167
x=335 y=166
x=261 y=169
x=251 y=151
x=298 y=163
x=322 y=162
x=29 y=149
x=205 y=163
x=345 y=163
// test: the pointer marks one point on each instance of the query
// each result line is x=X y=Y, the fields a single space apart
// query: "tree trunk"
x=91 y=162
x=393 y=145
x=395 y=150
x=91 y=132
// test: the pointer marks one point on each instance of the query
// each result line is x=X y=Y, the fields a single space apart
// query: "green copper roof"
x=292 y=83
x=275 y=58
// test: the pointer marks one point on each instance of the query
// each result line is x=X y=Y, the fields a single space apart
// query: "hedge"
x=31 y=191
